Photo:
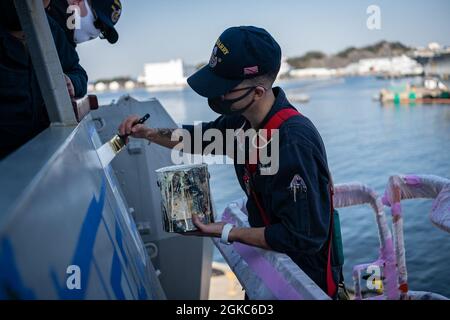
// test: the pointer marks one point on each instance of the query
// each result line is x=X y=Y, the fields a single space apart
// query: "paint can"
x=185 y=191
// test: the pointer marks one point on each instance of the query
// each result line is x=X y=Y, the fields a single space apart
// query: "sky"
x=161 y=30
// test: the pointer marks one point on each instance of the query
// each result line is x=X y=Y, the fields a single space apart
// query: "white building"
x=400 y=66
x=91 y=87
x=100 y=86
x=312 y=73
x=285 y=67
x=130 y=85
x=395 y=66
x=114 y=86
x=171 y=73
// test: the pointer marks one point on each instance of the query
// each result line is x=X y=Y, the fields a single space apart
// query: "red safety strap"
x=275 y=123
x=331 y=285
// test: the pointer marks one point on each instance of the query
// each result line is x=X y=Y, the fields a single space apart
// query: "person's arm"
x=79 y=79
x=250 y=236
x=70 y=61
x=166 y=137
x=174 y=137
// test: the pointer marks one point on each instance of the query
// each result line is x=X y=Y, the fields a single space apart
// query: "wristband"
x=225 y=233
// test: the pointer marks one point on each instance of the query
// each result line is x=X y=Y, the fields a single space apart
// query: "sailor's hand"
x=128 y=128
x=70 y=87
x=206 y=230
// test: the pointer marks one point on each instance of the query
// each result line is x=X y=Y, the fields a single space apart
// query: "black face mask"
x=222 y=106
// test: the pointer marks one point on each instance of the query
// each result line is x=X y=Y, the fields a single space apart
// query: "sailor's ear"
x=259 y=92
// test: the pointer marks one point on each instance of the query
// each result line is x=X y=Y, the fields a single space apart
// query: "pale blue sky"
x=159 y=30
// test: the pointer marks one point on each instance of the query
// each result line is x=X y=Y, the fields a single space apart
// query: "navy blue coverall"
x=22 y=110
x=299 y=227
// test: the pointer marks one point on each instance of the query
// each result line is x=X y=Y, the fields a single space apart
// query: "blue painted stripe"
x=124 y=253
x=84 y=249
x=11 y=283
x=116 y=277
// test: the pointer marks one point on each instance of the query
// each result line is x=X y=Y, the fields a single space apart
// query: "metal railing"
x=46 y=62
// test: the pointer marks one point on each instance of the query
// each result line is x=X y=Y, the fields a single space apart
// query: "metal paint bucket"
x=185 y=191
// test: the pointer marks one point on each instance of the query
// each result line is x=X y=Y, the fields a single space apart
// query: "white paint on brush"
x=106 y=154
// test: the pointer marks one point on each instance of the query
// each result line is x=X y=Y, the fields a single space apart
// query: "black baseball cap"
x=240 y=53
x=107 y=12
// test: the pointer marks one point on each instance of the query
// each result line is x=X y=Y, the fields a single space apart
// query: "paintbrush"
x=109 y=150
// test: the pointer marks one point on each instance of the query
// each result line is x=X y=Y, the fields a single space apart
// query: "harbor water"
x=365 y=142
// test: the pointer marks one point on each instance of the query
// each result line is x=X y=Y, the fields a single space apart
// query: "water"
x=367 y=143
